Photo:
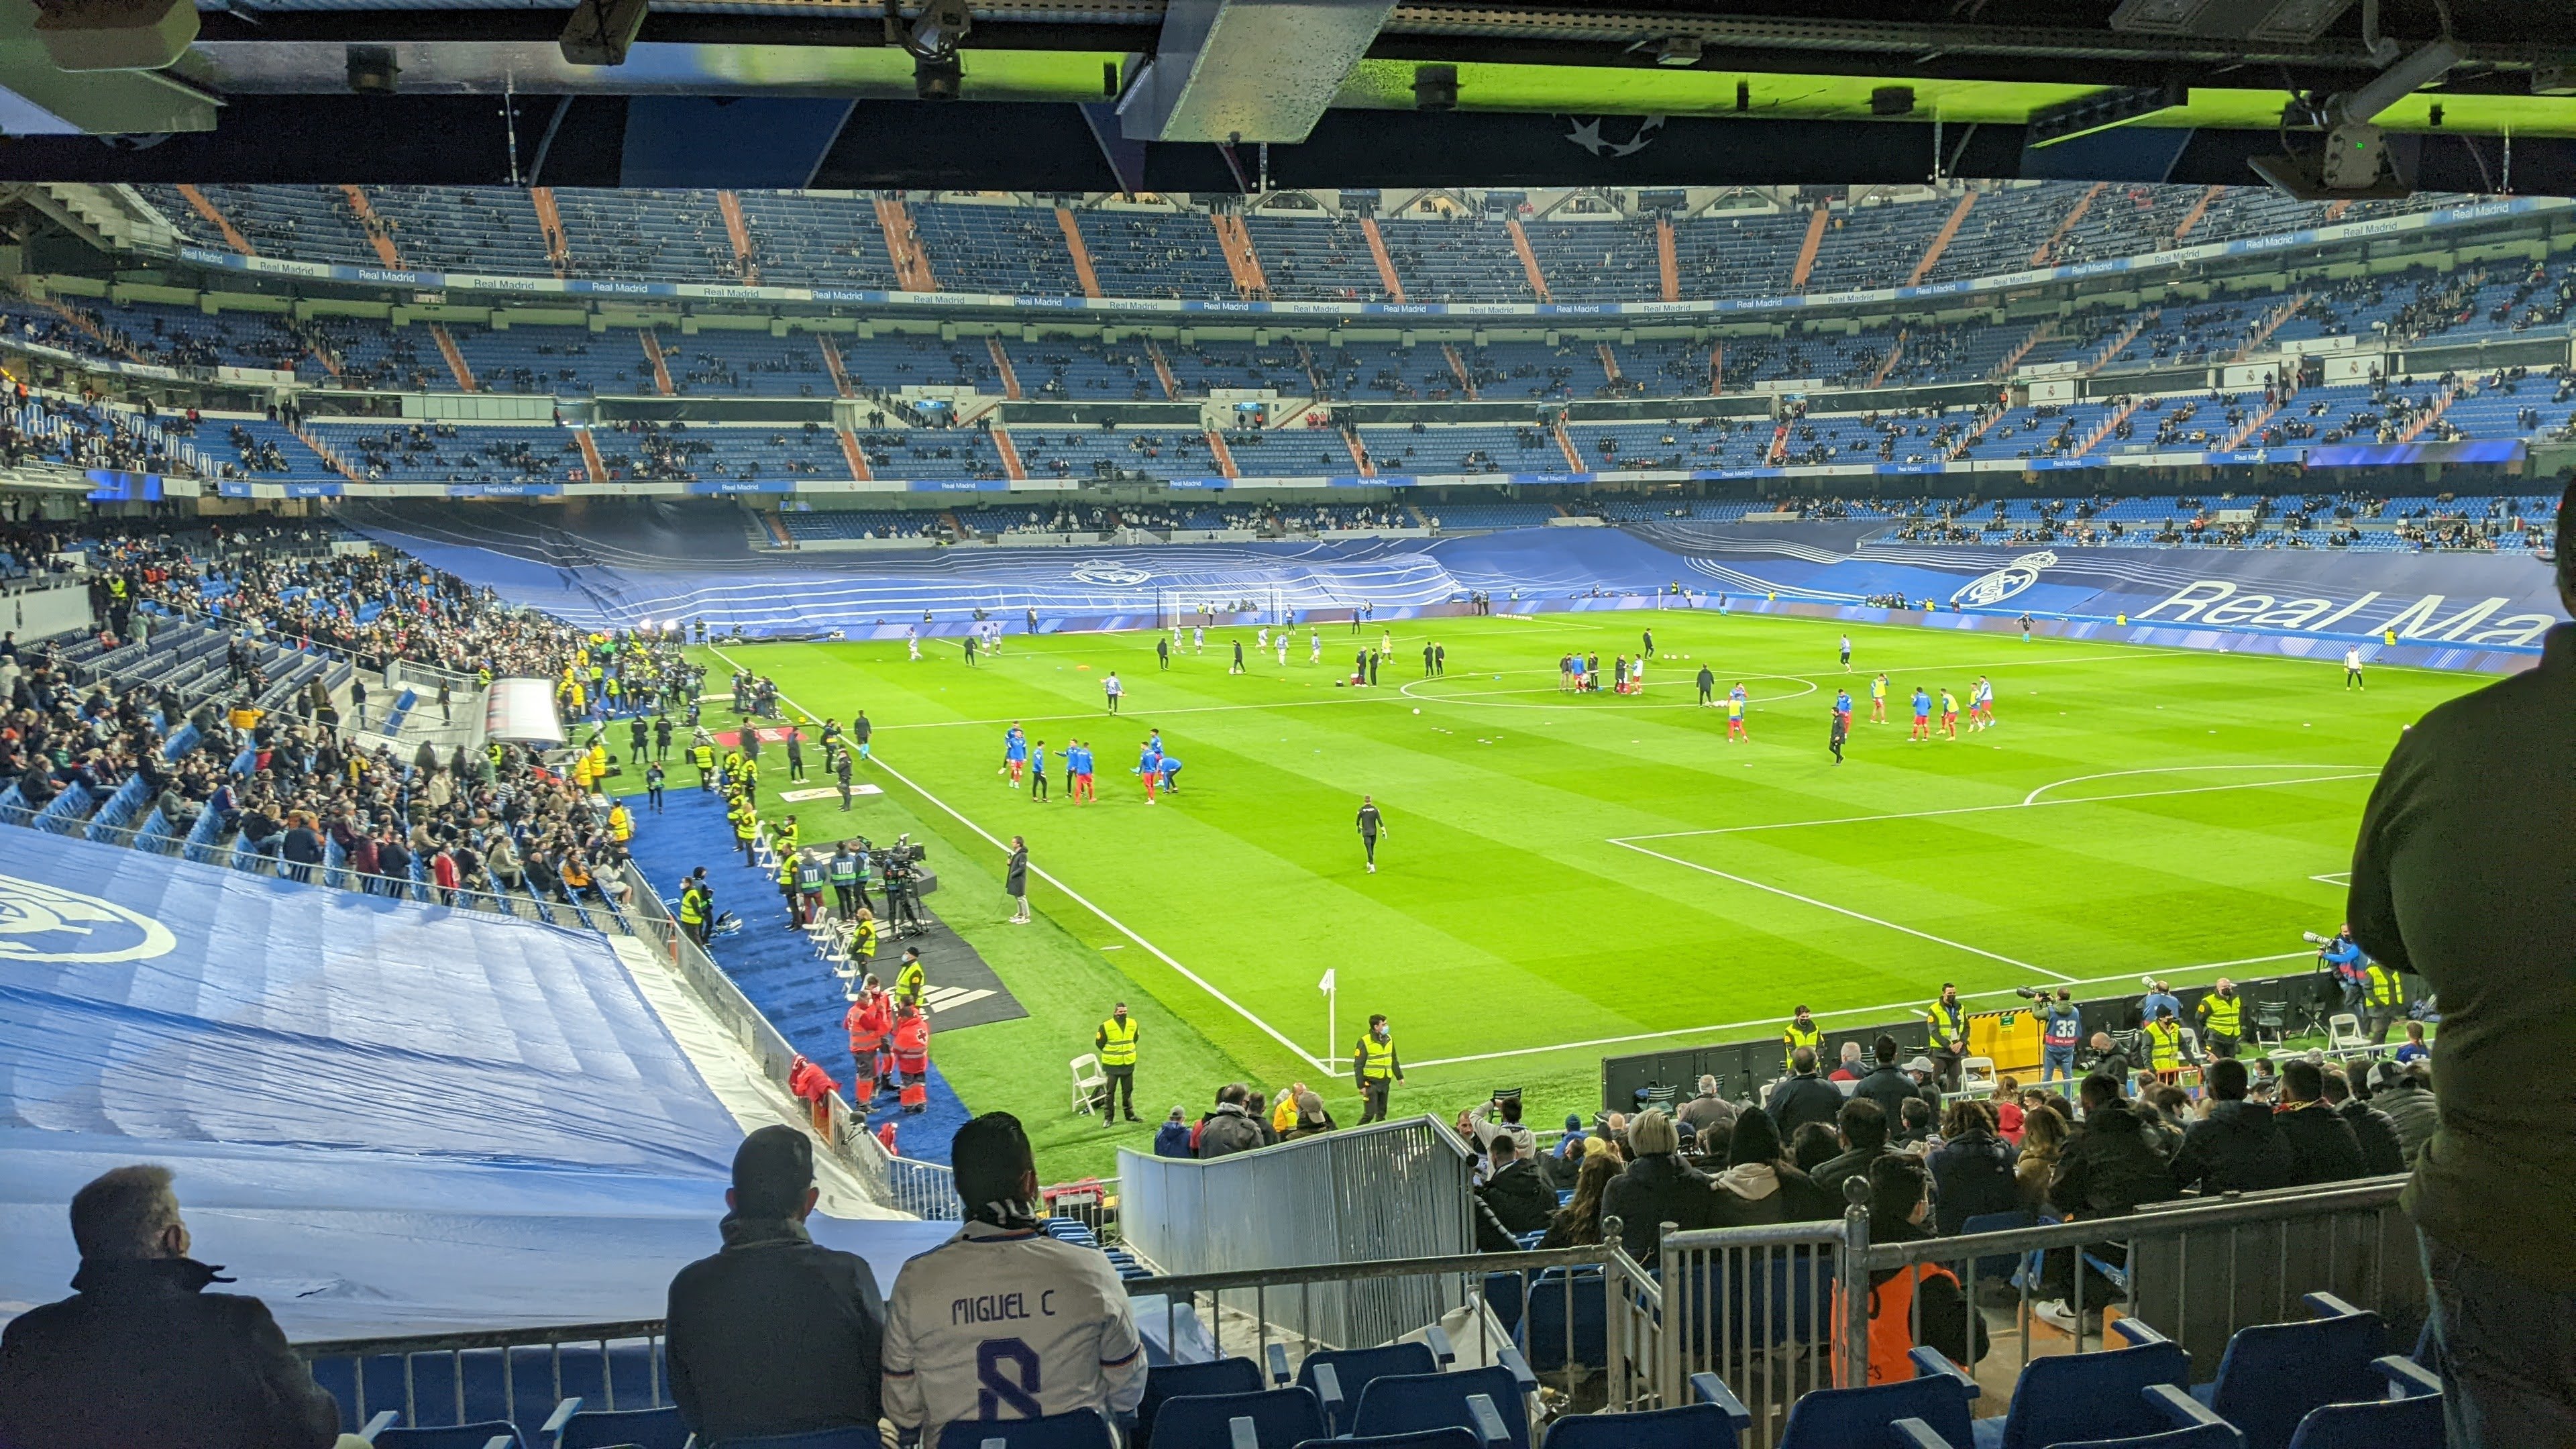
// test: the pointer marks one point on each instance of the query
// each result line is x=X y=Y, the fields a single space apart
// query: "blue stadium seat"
x=1489 y=1401
x=2198 y=1428
x=2098 y=1395
x=1690 y=1426
x=1262 y=1419
x=1079 y=1429
x=571 y=1427
x=2274 y=1373
x=1426 y=1439
x=1841 y=1418
x=2410 y=1420
x=1339 y=1375
x=490 y=1434
x=1546 y=1338
x=853 y=1438
x=1171 y=1381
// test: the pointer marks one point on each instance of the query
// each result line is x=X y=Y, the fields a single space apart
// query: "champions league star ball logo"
x=1111 y=575
x=39 y=922
x=1987 y=590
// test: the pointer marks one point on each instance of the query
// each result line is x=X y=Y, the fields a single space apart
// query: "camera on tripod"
x=898 y=866
x=2313 y=939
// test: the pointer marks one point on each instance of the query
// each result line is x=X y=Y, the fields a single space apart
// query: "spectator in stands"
x=1578 y=1223
x=1916 y=1304
x=1759 y=1185
x=774 y=1334
x=1972 y=1169
x=1887 y=1083
x=1850 y=1068
x=141 y=1354
x=2322 y=1145
x=2371 y=1128
x=1916 y=1131
x=940 y=1368
x=1708 y=1109
x=2163 y=1115
x=1172 y=1139
x=1312 y=1118
x=1511 y=1200
x=2235 y=1146
x=1862 y=1126
x=1815 y=1144
x=2041 y=1143
x=2105 y=1170
x=2465 y=874
x=1802 y=1098
x=1657 y=1187
x=2406 y=1095
x=1499 y=1117
x=1229 y=1129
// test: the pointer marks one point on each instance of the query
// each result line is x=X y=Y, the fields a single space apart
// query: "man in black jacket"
x=2106 y=1169
x=775 y=1335
x=141 y=1354
x=1863 y=1129
x=1803 y=1097
x=2235 y=1147
x=1887 y=1084
x=2371 y=1128
x=1512 y=1200
x=1229 y=1129
x=2322 y=1147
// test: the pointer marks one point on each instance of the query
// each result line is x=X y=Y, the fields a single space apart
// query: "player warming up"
x=1981 y=704
x=2352 y=668
x=1841 y=725
x=1371 y=825
x=1015 y=753
x=1735 y=727
x=1949 y=713
x=1846 y=653
x=1878 y=700
x=1922 y=715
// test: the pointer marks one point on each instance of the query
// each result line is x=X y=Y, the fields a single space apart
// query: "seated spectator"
x=1565 y=1164
x=1511 y=1200
x=1849 y=1068
x=1499 y=1117
x=2322 y=1146
x=141 y=1354
x=1312 y=1119
x=2008 y=1110
x=2234 y=1147
x=2163 y=1112
x=2413 y=1048
x=1802 y=1097
x=1914 y=1132
x=1919 y=1304
x=1758 y=1185
x=940 y=1367
x=1863 y=1130
x=1708 y=1109
x=2371 y=1128
x=1228 y=1129
x=774 y=1334
x=1172 y=1139
x=1972 y=1169
x=2044 y=1131
x=1816 y=1144
x=1887 y=1083
x=1578 y=1223
x=1657 y=1187
x=2406 y=1095
x=2105 y=1170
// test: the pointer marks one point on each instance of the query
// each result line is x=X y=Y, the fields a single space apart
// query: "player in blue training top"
x=1981 y=704
x=1922 y=715
x=1015 y=753
x=1149 y=768
x=1171 y=768
x=1037 y=771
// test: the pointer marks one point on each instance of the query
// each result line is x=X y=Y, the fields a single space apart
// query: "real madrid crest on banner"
x=1988 y=589
x=1110 y=573
x=39 y=922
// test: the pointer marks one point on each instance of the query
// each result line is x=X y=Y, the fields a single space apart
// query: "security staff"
x=746 y=827
x=1949 y=1033
x=703 y=755
x=863 y=942
x=693 y=911
x=2222 y=1019
x=2383 y=1000
x=1801 y=1032
x=1375 y=1066
x=1116 y=1043
x=787 y=863
x=788 y=836
x=910 y=981
x=849 y=878
x=2164 y=1045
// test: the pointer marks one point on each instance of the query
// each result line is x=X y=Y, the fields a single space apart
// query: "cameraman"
x=2341 y=955
x=2061 y=1026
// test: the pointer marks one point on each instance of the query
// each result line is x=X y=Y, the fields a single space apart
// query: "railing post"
x=1851 y=1325
x=1672 y=1385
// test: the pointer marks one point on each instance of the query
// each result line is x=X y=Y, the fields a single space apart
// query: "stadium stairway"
x=775 y=966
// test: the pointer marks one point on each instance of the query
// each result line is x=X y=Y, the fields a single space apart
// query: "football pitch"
x=1567 y=877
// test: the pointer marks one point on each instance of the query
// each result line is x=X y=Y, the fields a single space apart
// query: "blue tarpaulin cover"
x=385 y=1117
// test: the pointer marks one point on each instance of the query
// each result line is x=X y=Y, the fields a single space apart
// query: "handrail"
x=472 y=1338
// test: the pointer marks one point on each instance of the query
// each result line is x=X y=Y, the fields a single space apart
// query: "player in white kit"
x=1003 y=1321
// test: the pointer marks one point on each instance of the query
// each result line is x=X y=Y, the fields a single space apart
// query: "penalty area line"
x=1077 y=898
x=1847 y=911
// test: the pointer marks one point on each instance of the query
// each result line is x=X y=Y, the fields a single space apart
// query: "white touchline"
x=2033 y=802
x=1845 y=911
x=1766 y=1021
x=1114 y=923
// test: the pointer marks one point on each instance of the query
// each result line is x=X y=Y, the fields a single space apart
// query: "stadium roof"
x=1096 y=95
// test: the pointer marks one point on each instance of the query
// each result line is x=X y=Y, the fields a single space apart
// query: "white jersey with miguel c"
x=1003 y=1323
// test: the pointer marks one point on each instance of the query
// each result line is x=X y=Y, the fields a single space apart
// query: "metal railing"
x=1763 y=1307
x=465 y=1377
x=1391 y=1190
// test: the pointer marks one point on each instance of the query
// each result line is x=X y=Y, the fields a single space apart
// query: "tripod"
x=903 y=908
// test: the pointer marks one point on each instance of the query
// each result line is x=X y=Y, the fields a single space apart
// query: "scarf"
x=1007 y=1213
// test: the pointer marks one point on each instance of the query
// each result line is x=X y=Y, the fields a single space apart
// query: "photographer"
x=2339 y=954
x=896 y=869
x=2061 y=1026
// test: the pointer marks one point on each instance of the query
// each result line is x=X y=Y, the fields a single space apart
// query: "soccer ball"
x=1417 y=709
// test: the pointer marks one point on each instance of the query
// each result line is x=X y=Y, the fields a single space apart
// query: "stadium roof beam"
x=1246 y=70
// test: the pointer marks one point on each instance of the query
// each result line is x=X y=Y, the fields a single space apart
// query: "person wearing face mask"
x=1115 y=1042
x=2222 y=1020
x=1376 y=1068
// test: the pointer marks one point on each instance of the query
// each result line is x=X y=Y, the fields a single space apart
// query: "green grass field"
x=1568 y=878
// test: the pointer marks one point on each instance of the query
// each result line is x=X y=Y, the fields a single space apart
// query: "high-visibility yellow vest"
x=1949 y=1026
x=2380 y=987
x=703 y=757
x=1377 y=1058
x=1792 y=1038
x=2164 y=1046
x=2223 y=1013
x=863 y=938
x=910 y=982
x=692 y=907
x=1118 y=1042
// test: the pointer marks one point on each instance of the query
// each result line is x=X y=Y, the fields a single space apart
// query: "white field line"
x=1845 y=911
x=1077 y=898
x=2033 y=802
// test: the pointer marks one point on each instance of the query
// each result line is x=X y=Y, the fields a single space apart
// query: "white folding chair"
x=1977 y=1076
x=1088 y=1080
x=2343 y=1036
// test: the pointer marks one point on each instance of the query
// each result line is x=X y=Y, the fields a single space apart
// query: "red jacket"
x=809 y=1081
x=912 y=1043
x=870 y=1018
